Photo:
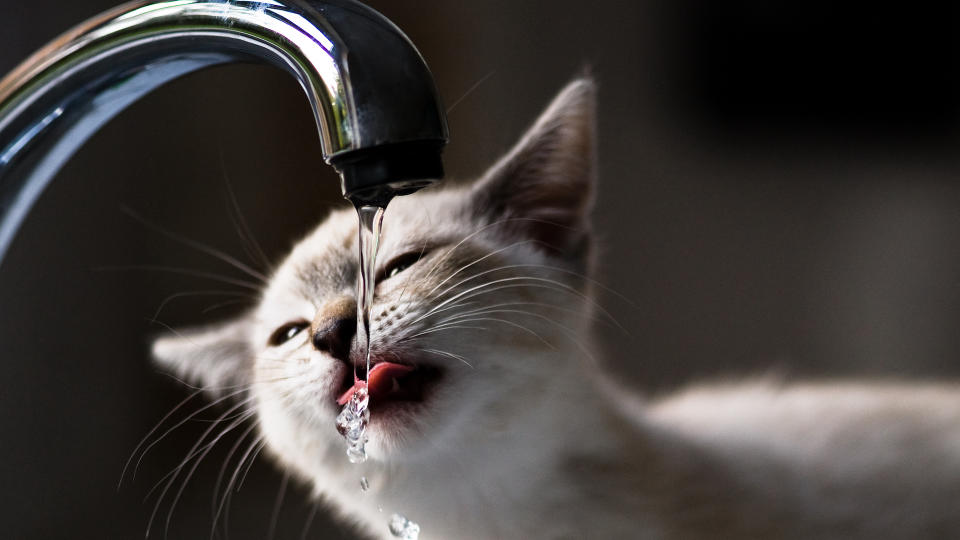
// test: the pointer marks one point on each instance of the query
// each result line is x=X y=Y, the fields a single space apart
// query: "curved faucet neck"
x=377 y=110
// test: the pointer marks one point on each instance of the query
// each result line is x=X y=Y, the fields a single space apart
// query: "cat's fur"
x=528 y=440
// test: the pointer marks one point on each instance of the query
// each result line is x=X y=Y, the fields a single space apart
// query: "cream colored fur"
x=528 y=441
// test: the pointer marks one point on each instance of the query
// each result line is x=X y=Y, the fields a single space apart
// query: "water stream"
x=355 y=415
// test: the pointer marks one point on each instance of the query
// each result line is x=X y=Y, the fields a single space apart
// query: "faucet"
x=373 y=98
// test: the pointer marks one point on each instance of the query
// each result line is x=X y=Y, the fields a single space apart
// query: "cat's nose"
x=334 y=328
x=336 y=337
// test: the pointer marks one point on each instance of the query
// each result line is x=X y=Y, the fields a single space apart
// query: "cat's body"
x=507 y=426
x=827 y=460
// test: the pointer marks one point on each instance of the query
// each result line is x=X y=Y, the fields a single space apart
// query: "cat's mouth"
x=390 y=382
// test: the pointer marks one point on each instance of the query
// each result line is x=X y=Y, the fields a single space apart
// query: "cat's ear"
x=543 y=188
x=216 y=358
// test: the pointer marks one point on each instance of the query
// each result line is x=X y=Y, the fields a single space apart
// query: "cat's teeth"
x=395 y=386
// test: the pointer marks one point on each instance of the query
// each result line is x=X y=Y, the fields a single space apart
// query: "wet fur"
x=527 y=441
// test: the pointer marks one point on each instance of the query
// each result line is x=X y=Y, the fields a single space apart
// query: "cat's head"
x=482 y=297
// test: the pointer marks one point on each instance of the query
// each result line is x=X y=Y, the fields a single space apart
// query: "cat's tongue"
x=379 y=381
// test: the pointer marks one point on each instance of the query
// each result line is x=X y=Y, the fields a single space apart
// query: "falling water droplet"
x=352 y=423
x=403 y=528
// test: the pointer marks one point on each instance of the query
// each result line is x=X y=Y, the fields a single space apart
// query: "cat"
x=491 y=413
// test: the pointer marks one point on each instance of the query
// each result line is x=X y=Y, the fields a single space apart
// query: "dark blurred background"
x=779 y=191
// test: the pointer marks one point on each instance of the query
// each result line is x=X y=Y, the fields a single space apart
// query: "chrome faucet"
x=380 y=120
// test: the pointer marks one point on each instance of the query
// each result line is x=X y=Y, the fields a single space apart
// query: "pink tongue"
x=379 y=380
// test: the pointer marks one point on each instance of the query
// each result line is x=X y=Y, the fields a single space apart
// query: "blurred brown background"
x=778 y=191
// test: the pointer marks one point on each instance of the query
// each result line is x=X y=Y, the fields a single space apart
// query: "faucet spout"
x=380 y=120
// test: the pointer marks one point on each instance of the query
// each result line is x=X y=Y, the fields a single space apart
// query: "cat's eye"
x=401 y=263
x=287 y=332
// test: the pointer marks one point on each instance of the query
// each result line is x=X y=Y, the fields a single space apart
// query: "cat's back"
x=840 y=459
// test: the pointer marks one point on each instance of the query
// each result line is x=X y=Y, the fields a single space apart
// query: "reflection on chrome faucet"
x=380 y=120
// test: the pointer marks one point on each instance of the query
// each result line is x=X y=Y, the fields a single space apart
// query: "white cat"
x=491 y=417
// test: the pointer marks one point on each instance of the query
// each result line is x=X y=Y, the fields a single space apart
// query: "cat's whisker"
x=216 y=389
x=470 y=91
x=462 y=241
x=182 y=271
x=198 y=449
x=254 y=251
x=442 y=323
x=559 y=284
x=435 y=329
x=404 y=290
x=151 y=432
x=214 y=513
x=550 y=285
x=511 y=323
x=291 y=369
x=442 y=306
x=455 y=318
x=554 y=268
x=475 y=288
x=309 y=523
x=186 y=479
x=584 y=277
x=537 y=315
x=250 y=462
x=434 y=311
x=471 y=278
x=473 y=262
x=191 y=453
x=218 y=509
x=484 y=228
x=203 y=248
x=246 y=244
x=214 y=421
x=253 y=458
x=225 y=303
x=286 y=395
x=190 y=473
x=546 y=267
x=570 y=334
x=452 y=306
x=172 y=330
x=507 y=304
x=463 y=304
x=184 y=294
x=460 y=318
x=449 y=354
x=181 y=381
x=170 y=430
x=275 y=379
x=278 y=505
x=485 y=309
